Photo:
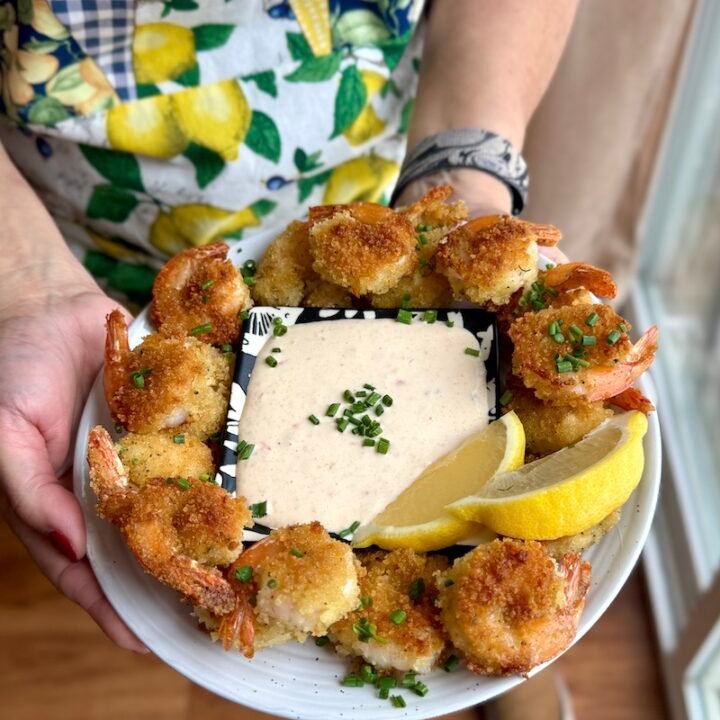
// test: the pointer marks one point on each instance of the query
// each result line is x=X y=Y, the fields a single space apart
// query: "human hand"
x=51 y=347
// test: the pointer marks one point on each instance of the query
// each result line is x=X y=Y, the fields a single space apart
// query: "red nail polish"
x=62 y=544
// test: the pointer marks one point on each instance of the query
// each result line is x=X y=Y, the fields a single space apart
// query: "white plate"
x=303 y=681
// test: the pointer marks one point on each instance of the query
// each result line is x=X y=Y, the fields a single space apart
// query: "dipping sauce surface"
x=314 y=472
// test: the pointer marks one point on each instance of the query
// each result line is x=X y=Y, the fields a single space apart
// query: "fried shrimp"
x=200 y=288
x=549 y=428
x=177 y=529
x=588 y=358
x=508 y=606
x=164 y=382
x=419 y=290
x=582 y=541
x=396 y=625
x=302 y=582
x=490 y=258
x=321 y=293
x=154 y=455
x=363 y=247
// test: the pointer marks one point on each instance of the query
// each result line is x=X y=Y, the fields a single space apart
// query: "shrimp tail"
x=574 y=275
x=204 y=586
x=633 y=399
x=546 y=235
x=108 y=478
x=578 y=574
x=117 y=349
x=239 y=627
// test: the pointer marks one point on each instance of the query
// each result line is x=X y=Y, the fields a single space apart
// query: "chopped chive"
x=430 y=316
x=613 y=337
x=349 y=530
x=357 y=407
x=386 y=682
x=244 y=314
x=409 y=680
x=184 y=483
x=578 y=361
x=277 y=320
x=244 y=573
x=138 y=377
x=202 y=329
x=398 y=617
x=368 y=442
x=589 y=340
x=506 y=397
x=354 y=421
x=553 y=328
x=450 y=323
x=365 y=601
x=250 y=266
x=422 y=239
x=296 y=553
x=272 y=583
x=416 y=589
x=365 y=419
x=352 y=680
x=226 y=348
x=347 y=395
x=573 y=329
x=277 y=349
x=398 y=701
x=559 y=338
x=204 y=477
x=451 y=663
x=341 y=423
x=178 y=439
x=379 y=410
x=405 y=302
x=246 y=451
x=367 y=386
x=387 y=401
x=332 y=410
x=313 y=420
x=472 y=351
x=564 y=366
x=622 y=327
x=279 y=330
x=205 y=298
x=448 y=583
x=320 y=641
x=382 y=446
x=361 y=394
x=367 y=674
x=592 y=319
x=420 y=688
x=207 y=284
x=404 y=316
x=383 y=693
x=366 y=631
x=258 y=510
x=271 y=361
x=373 y=398
x=374 y=431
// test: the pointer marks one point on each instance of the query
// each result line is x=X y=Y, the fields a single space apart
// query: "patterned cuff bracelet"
x=471 y=148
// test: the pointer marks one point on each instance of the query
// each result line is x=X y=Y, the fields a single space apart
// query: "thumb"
x=33 y=491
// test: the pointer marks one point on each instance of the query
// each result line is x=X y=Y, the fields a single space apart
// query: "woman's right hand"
x=51 y=348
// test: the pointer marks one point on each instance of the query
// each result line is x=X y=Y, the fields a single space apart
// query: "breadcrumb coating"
x=419 y=290
x=582 y=541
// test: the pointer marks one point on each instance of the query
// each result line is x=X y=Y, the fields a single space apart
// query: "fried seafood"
x=508 y=606
x=396 y=625
x=363 y=247
x=588 y=358
x=582 y=541
x=549 y=428
x=489 y=258
x=419 y=290
x=302 y=581
x=285 y=276
x=164 y=382
x=200 y=288
x=164 y=455
x=176 y=528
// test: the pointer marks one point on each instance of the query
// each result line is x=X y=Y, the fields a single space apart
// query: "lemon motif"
x=417 y=518
x=567 y=492
x=114 y=249
x=216 y=116
x=200 y=224
x=165 y=236
x=367 y=124
x=44 y=21
x=147 y=127
x=162 y=51
x=362 y=179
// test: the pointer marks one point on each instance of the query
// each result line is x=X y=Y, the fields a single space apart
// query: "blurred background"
x=624 y=156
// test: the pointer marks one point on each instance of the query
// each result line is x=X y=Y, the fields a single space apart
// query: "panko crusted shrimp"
x=165 y=382
x=178 y=529
x=164 y=455
x=300 y=580
x=587 y=357
x=419 y=290
x=490 y=258
x=364 y=247
x=508 y=606
x=582 y=541
x=396 y=626
x=200 y=292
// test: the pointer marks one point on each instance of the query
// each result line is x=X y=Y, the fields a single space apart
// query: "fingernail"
x=62 y=544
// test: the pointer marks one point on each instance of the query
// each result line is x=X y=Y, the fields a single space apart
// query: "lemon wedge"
x=416 y=519
x=567 y=492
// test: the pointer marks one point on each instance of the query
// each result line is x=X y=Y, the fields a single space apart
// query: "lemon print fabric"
x=175 y=123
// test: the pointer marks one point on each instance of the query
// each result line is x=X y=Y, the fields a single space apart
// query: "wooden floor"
x=56 y=665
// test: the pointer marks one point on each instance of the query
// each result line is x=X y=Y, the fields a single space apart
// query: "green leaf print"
x=120 y=168
x=350 y=99
x=47 y=111
x=190 y=78
x=208 y=164
x=111 y=203
x=135 y=281
x=263 y=136
x=305 y=162
x=307 y=184
x=393 y=50
x=416 y=64
x=263 y=207
x=178 y=5
x=67 y=79
x=45 y=47
x=265 y=82
x=405 y=117
x=98 y=264
x=298 y=46
x=316 y=69
x=25 y=11
x=389 y=86
x=147 y=90
x=209 y=37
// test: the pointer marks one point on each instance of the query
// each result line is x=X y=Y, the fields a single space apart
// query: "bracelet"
x=468 y=148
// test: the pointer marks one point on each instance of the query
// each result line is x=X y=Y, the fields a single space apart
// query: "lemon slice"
x=416 y=519
x=567 y=492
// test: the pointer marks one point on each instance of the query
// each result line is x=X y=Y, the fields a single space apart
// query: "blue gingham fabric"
x=104 y=30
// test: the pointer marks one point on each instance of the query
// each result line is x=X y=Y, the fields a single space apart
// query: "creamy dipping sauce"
x=314 y=472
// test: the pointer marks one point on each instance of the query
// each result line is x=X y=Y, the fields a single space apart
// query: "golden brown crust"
x=419 y=290
x=582 y=541
x=321 y=293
